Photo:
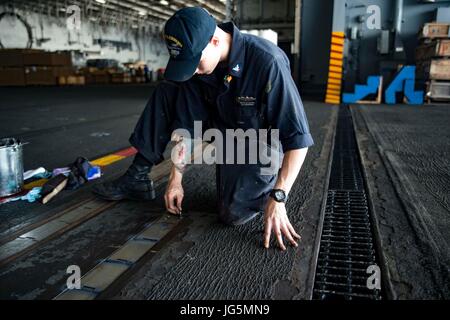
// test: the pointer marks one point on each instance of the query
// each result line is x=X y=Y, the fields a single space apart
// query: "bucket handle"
x=20 y=144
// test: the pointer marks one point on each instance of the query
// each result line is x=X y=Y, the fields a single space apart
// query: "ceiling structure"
x=129 y=12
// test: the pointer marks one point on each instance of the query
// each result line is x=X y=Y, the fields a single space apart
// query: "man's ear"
x=215 y=41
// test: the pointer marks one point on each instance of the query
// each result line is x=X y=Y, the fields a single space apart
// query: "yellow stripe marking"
x=339 y=34
x=103 y=161
x=335 y=62
x=334 y=75
x=335 y=48
x=107 y=160
x=335 y=69
x=334 y=86
x=333 y=92
x=333 y=96
x=335 y=81
x=335 y=55
x=339 y=41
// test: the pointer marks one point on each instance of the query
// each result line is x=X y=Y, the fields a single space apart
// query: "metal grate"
x=346 y=247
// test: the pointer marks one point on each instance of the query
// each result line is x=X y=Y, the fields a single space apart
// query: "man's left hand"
x=276 y=220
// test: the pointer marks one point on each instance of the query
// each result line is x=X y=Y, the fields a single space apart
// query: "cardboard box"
x=436 y=30
x=87 y=70
x=63 y=71
x=71 y=80
x=61 y=58
x=438 y=91
x=89 y=78
x=11 y=58
x=62 y=80
x=97 y=78
x=74 y=80
x=80 y=80
x=437 y=48
x=438 y=69
x=12 y=77
x=40 y=76
x=14 y=57
x=40 y=58
x=44 y=58
x=101 y=78
x=120 y=78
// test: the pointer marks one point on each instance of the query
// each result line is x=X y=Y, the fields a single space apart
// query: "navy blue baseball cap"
x=187 y=33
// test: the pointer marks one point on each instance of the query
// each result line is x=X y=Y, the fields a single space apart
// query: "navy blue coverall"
x=260 y=94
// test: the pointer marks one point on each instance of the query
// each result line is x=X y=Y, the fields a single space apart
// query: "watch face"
x=279 y=195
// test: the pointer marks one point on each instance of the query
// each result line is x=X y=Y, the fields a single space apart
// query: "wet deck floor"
x=203 y=259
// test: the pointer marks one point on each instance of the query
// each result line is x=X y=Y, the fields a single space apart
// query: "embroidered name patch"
x=246 y=101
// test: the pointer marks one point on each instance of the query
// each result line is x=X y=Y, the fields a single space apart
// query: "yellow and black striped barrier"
x=335 y=69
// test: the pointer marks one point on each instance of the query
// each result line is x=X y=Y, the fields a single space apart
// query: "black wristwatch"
x=279 y=195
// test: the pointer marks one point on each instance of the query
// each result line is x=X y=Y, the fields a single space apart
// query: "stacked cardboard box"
x=125 y=77
x=71 y=80
x=40 y=75
x=19 y=67
x=97 y=76
x=10 y=76
x=102 y=71
x=94 y=75
x=102 y=77
x=433 y=60
x=12 y=67
x=120 y=77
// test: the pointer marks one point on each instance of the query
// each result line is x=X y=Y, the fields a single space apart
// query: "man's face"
x=210 y=57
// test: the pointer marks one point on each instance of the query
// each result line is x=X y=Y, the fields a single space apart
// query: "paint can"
x=11 y=166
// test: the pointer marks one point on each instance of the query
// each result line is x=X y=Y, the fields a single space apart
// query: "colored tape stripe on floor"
x=107 y=160
x=103 y=162
x=127 y=152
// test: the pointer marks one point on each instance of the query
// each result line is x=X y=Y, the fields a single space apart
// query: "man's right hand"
x=174 y=192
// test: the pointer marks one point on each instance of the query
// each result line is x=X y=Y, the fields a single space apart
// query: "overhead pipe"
x=398 y=16
x=398 y=21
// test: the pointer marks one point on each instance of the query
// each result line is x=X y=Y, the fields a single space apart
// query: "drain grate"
x=346 y=246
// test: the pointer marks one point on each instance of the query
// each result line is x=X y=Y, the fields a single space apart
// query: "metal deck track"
x=31 y=237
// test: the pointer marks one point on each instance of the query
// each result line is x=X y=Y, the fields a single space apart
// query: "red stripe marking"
x=21 y=193
x=131 y=151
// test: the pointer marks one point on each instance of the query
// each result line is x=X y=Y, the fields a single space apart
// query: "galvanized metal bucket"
x=11 y=166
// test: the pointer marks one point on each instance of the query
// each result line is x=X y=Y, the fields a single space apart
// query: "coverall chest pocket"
x=248 y=114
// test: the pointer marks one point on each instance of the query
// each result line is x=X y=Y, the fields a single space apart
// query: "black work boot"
x=135 y=184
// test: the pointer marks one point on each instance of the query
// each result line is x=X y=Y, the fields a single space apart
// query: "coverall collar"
x=237 y=52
